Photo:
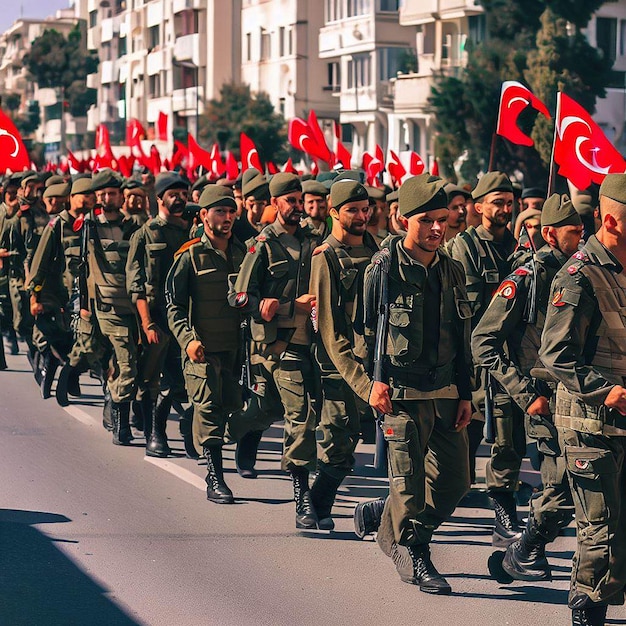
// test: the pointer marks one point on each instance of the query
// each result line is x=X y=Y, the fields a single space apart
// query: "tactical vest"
x=215 y=322
x=608 y=358
x=70 y=242
x=405 y=339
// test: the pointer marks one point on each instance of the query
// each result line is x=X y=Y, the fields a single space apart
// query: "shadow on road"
x=40 y=585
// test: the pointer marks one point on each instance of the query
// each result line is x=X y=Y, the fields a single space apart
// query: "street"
x=92 y=533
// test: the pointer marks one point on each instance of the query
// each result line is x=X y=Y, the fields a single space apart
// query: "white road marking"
x=82 y=416
x=180 y=472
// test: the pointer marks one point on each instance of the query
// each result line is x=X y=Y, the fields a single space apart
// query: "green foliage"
x=238 y=110
x=56 y=62
x=12 y=101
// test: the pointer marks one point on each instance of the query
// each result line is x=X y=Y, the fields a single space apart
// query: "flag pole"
x=552 y=173
x=492 y=152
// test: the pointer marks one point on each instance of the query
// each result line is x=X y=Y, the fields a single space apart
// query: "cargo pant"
x=89 y=345
x=214 y=392
x=123 y=333
x=596 y=470
x=22 y=319
x=428 y=470
x=56 y=332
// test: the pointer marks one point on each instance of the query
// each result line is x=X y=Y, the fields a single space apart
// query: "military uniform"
x=583 y=348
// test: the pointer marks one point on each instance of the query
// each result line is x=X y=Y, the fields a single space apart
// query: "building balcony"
x=350 y=35
x=106 y=29
x=188 y=99
x=157 y=61
x=93 y=81
x=190 y=48
x=107 y=72
x=182 y=5
x=411 y=92
x=93 y=38
x=424 y=11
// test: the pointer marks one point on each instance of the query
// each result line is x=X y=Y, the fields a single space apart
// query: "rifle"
x=83 y=270
x=245 y=378
x=490 y=419
x=530 y=314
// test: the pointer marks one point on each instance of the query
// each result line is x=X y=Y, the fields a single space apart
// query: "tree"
x=26 y=122
x=238 y=110
x=59 y=63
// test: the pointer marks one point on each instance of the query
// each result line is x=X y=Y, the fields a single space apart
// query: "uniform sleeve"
x=474 y=282
x=502 y=317
x=572 y=310
x=337 y=346
x=42 y=260
x=177 y=297
x=136 y=267
x=246 y=294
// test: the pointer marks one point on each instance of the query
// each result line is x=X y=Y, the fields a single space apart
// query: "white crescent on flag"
x=249 y=159
x=516 y=99
x=565 y=124
x=6 y=133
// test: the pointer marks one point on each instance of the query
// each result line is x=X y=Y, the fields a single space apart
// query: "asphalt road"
x=96 y=534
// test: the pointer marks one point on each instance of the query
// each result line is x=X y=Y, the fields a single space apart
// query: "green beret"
x=322 y=177
x=60 y=190
x=614 y=186
x=453 y=190
x=29 y=177
x=13 y=180
x=584 y=204
x=490 y=182
x=417 y=195
x=358 y=175
x=393 y=196
x=217 y=195
x=284 y=183
x=169 y=180
x=256 y=185
x=315 y=188
x=54 y=180
x=558 y=210
x=534 y=192
x=133 y=183
x=344 y=191
x=375 y=193
x=81 y=185
x=201 y=183
x=106 y=179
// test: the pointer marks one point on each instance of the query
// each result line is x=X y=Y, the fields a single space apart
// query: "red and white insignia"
x=261 y=238
x=389 y=432
x=572 y=269
x=251 y=249
x=78 y=223
x=581 y=464
x=557 y=299
x=241 y=299
x=580 y=255
x=507 y=290
x=521 y=271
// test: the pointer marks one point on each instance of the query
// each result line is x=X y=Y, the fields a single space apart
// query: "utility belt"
x=430 y=380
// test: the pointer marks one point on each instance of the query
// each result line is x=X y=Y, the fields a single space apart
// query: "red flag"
x=162 y=126
x=122 y=162
x=155 y=160
x=343 y=156
x=104 y=153
x=374 y=165
x=301 y=137
x=179 y=154
x=581 y=149
x=514 y=98
x=319 y=138
x=198 y=156
x=249 y=154
x=396 y=169
x=217 y=164
x=435 y=168
x=288 y=167
x=232 y=167
x=135 y=132
x=315 y=170
x=337 y=130
x=416 y=164
x=76 y=164
x=271 y=168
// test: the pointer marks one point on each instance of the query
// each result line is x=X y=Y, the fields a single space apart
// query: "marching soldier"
x=272 y=287
x=484 y=252
x=337 y=284
x=426 y=397
x=150 y=258
x=583 y=348
x=207 y=330
x=136 y=205
x=316 y=207
x=506 y=342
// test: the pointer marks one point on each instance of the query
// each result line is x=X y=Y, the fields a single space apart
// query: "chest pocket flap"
x=155 y=249
x=279 y=269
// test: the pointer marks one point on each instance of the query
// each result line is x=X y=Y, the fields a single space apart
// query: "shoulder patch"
x=572 y=269
x=521 y=271
x=241 y=299
x=557 y=299
x=507 y=289
x=581 y=256
x=186 y=246
x=563 y=296
x=53 y=221
x=78 y=223
x=261 y=238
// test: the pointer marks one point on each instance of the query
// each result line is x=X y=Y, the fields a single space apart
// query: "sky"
x=14 y=9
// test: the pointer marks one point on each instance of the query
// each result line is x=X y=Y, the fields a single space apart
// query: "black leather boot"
x=137 y=418
x=525 y=559
x=107 y=419
x=3 y=360
x=217 y=490
x=367 y=517
x=156 y=443
x=49 y=369
x=593 y=616
x=120 y=413
x=12 y=339
x=185 y=423
x=245 y=453
x=305 y=513
x=37 y=364
x=506 y=529
x=67 y=384
x=323 y=493
x=415 y=567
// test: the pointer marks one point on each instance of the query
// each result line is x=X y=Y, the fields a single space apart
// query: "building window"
x=334 y=77
x=266 y=45
x=334 y=10
x=281 y=41
x=121 y=47
x=391 y=61
x=622 y=38
x=359 y=74
x=388 y=5
x=290 y=41
x=106 y=50
x=477 y=28
x=358 y=7
x=248 y=46
x=93 y=19
x=347 y=133
x=154 y=38
x=606 y=36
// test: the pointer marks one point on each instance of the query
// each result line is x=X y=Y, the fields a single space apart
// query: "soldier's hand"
x=268 y=308
x=152 y=334
x=85 y=314
x=463 y=415
x=195 y=351
x=3 y=253
x=36 y=308
x=539 y=406
x=379 y=398
x=305 y=303
x=320 y=248
x=617 y=399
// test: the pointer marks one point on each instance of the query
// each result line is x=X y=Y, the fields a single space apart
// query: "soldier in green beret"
x=583 y=348
x=272 y=287
x=207 y=329
x=506 y=342
x=426 y=394
x=316 y=207
x=136 y=205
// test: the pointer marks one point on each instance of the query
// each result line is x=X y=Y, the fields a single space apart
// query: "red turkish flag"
x=343 y=156
x=374 y=165
x=104 y=153
x=76 y=164
x=301 y=138
x=288 y=167
x=162 y=126
x=198 y=156
x=514 y=98
x=217 y=164
x=232 y=167
x=581 y=149
x=249 y=154
x=155 y=160
x=135 y=132
x=416 y=164
x=318 y=136
x=396 y=169
x=435 y=168
x=180 y=153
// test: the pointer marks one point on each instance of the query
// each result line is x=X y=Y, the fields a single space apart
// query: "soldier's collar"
x=483 y=233
x=601 y=254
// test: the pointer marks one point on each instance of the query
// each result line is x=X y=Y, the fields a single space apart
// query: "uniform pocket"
x=397 y=431
x=278 y=269
x=399 y=320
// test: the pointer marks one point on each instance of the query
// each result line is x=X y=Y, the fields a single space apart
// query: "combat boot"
x=217 y=490
x=48 y=371
x=593 y=616
x=525 y=559
x=68 y=384
x=12 y=339
x=107 y=420
x=156 y=443
x=305 y=513
x=367 y=516
x=37 y=365
x=185 y=424
x=137 y=418
x=506 y=529
x=323 y=493
x=245 y=453
x=415 y=567
x=3 y=360
x=120 y=413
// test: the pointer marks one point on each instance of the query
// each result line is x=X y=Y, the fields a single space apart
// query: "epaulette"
x=52 y=223
x=186 y=246
x=580 y=259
